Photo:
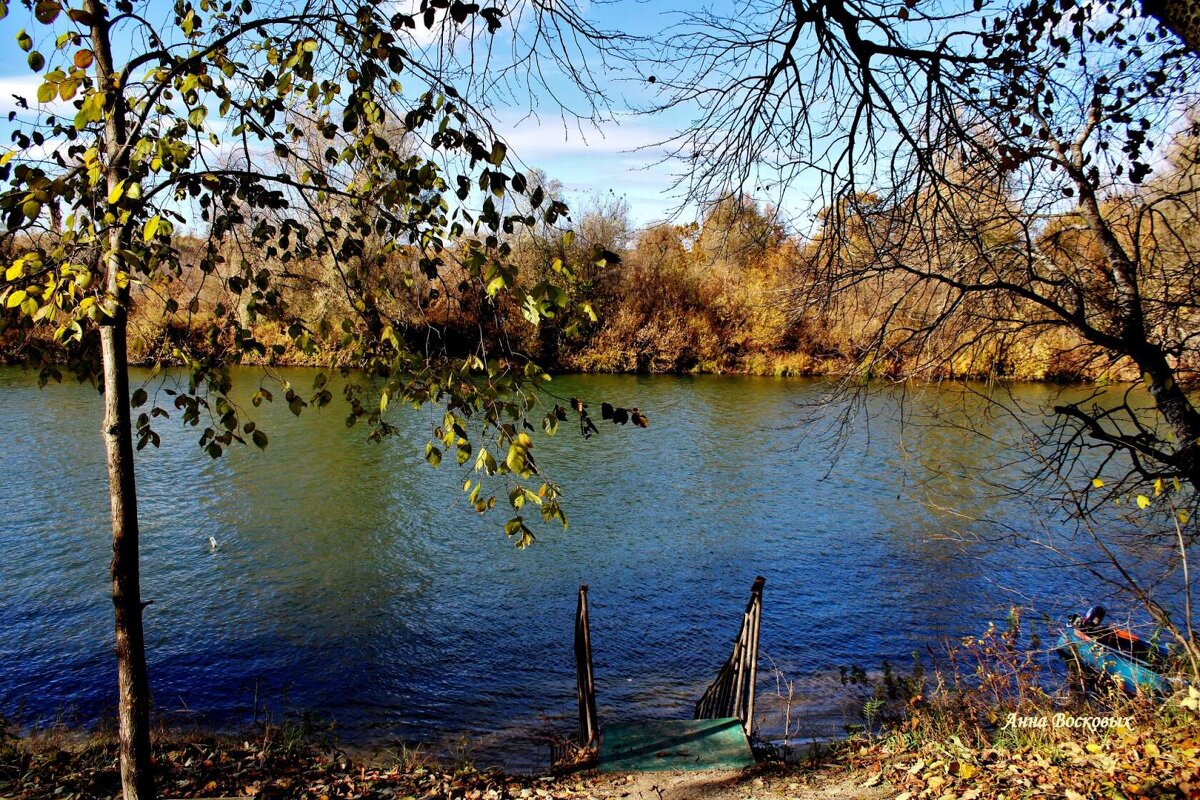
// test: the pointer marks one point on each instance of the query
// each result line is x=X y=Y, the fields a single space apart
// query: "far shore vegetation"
x=730 y=293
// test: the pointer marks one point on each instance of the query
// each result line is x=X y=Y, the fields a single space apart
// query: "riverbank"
x=1157 y=755
x=276 y=763
x=155 y=341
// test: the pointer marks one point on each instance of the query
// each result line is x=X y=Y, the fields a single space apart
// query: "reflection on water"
x=352 y=580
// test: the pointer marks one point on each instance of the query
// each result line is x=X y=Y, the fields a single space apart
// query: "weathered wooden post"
x=585 y=683
x=754 y=612
x=732 y=693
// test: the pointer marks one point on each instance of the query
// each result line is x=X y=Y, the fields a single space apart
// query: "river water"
x=352 y=581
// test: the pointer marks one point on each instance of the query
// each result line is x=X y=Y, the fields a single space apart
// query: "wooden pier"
x=718 y=735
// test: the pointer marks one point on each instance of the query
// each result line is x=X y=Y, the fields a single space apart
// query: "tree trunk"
x=133 y=686
x=1129 y=325
x=1181 y=17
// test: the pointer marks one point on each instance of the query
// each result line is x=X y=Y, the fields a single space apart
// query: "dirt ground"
x=824 y=785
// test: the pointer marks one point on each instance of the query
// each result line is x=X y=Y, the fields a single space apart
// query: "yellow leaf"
x=1143 y=501
x=115 y=193
x=1092 y=747
x=1158 y=487
x=1183 y=516
x=16 y=298
x=1096 y=482
x=1192 y=701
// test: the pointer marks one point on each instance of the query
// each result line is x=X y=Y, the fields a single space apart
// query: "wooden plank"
x=747 y=713
x=670 y=745
x=585 y=680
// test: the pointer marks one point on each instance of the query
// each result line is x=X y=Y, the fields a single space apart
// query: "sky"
x=621 y=156
x=616 y=157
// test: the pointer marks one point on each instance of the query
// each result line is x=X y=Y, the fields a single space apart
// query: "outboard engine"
x=1092 y=618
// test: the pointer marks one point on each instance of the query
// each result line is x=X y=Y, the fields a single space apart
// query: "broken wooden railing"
x=732 y=693
x=585 y=681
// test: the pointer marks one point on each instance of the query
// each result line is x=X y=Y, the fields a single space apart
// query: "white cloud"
x=619 y=157
x=530 y=138
x=23 y=86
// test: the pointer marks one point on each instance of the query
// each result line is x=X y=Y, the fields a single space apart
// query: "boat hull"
x=1131 y=675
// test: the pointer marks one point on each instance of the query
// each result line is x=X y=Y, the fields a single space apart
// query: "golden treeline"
x=937 y=279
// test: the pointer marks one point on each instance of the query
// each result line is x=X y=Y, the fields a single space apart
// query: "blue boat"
x=1129 y=660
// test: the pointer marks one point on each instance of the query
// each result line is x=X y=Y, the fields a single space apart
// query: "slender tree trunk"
x=133 y=685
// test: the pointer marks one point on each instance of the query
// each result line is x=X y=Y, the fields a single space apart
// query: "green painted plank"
x=667 y=745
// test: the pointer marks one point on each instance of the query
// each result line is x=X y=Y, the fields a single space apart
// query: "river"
x=351 y=580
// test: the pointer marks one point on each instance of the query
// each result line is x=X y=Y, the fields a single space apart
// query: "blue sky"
x=613 y=157
x=617 y=156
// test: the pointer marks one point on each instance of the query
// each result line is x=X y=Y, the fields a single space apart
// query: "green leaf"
x=36 y=61
x=260 y=439
x=433 y=455
x=139 y=398
x=498 y=154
